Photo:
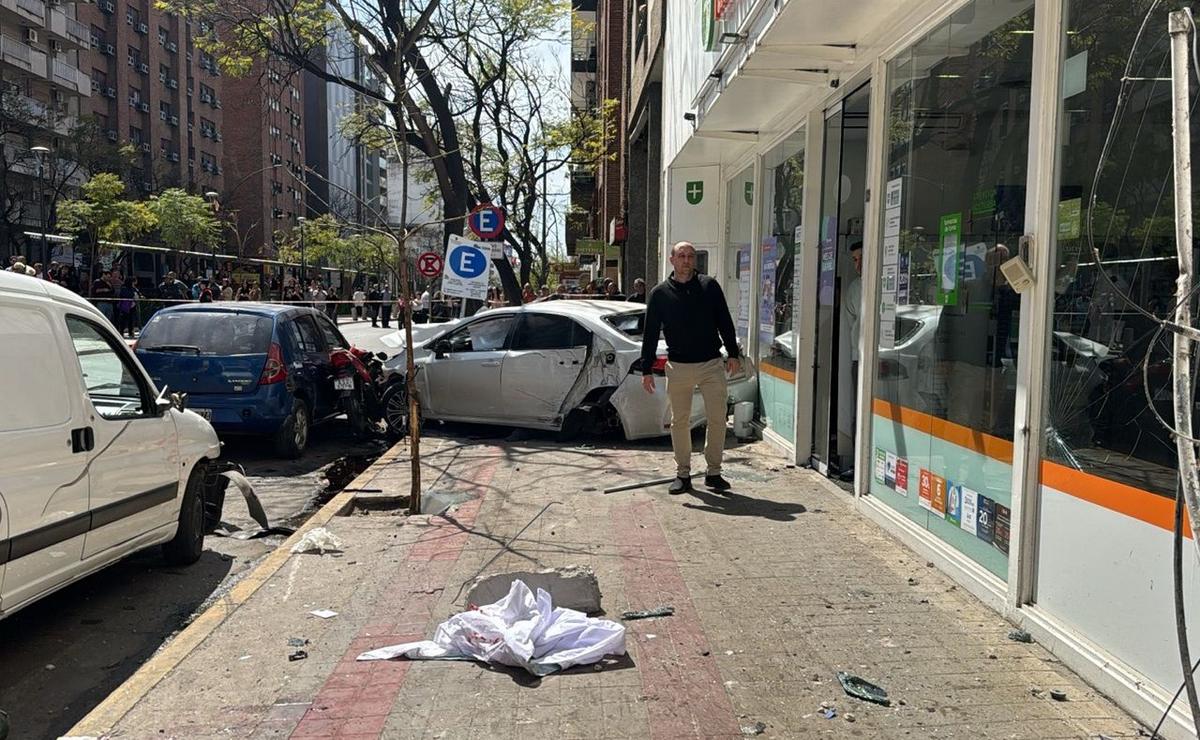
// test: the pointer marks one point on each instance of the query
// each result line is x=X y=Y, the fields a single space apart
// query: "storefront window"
x=739 y=212
x=957 y=130
x=1108 y=470
x=783 y=231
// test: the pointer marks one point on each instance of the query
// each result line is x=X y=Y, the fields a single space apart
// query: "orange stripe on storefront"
x=777 y=372
x=947 y=431
x=1137 y=503
x=1132 y=502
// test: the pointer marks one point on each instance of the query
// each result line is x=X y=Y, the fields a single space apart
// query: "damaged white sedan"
x=567 y=365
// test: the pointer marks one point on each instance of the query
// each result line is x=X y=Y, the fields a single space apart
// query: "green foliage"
x=328 y=242
x=185 y=220
x=102 y=214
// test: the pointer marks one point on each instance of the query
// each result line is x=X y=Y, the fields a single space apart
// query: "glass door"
x=839 y=288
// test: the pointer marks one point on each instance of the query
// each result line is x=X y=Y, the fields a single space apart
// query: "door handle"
x=490 y=363
x=83 y=439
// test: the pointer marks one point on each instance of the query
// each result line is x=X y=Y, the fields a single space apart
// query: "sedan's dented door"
x=544 y=364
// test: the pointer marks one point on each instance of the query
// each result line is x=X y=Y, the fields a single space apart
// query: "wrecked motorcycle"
x=357 y=375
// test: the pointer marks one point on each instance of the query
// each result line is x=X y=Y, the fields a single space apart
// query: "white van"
x=95 y=463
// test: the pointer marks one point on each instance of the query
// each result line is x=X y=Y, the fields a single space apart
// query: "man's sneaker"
x=680 y=485
x=716 y=483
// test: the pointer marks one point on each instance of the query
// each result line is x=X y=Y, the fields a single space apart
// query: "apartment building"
x=264 y=155
x=582 y=217
x=40 y=49
x=346 y=178
x=153 y=88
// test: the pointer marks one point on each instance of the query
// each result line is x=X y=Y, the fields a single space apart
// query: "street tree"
x=185 y=221
x=411 y=45
x=102 y=214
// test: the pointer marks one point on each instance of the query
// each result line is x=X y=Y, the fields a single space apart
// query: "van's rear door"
x=44 y=443
x=200 y=352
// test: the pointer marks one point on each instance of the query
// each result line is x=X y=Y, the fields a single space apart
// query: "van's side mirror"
x=441 y=348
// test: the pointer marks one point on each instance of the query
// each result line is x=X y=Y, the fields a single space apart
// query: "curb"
x=116 y=705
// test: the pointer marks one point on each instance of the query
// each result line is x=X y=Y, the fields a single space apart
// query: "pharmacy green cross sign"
x=694 y=191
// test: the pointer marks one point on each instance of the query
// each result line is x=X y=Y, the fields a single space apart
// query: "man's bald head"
x=683 y=259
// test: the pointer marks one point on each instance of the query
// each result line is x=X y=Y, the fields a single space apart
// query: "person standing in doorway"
x=690 y=311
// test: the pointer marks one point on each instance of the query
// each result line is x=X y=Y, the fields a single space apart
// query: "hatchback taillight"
x=274 y=371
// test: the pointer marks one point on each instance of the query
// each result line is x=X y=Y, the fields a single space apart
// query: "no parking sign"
x=467 y=269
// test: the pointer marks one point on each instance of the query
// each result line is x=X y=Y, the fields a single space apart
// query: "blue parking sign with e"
x=468 y=261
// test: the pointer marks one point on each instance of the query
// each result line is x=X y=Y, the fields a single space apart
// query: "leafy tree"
x=185 y=221
x=442 y=66
x=101 y=214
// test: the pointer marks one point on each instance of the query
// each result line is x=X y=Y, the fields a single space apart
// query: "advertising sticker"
x=939 y=495
x=766 y=315
x=925 y=490
x=880 y=465
x=889 y=470
x=902 y=281
x=1000 y=533
x=953 y=503
x=985 y=518
x=950 y=258
x=970 y=505
x=902 y=476
x=743 y=314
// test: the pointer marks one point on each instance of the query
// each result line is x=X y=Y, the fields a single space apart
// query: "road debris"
x=757 y=728
x=862 y=689
x=1058 y=695
x=658 y=611
x=829 y=712
x=1020 y=636
x=297 y=641
x=319 y=540
x=298 y=655
x=437 y=503
x=324 y=613
x=520 y=630
x=573 y=587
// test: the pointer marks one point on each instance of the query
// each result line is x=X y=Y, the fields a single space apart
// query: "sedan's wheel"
x=292 y=437
x=395 y=411
x=188 y=543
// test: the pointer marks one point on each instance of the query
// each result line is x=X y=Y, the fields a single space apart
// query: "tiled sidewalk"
x=776 y=587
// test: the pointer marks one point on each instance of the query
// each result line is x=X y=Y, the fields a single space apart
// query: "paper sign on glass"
x=887 y=323
x=970 y=505
x=891 y=250
x=902 y=476
x=889 y=470
x=953 y=503
x=925 y=490
x=893 y=194
x=880 y=465
x=939 y=495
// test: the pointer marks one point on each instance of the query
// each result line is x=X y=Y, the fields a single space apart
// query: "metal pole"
x=1180 y=26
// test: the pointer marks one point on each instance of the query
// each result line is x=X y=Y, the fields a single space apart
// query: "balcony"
x=23 y=56
x=24 y=12
x=68 y=30
x=70 y=77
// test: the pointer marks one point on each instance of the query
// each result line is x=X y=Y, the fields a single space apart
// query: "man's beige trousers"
x=683 y=378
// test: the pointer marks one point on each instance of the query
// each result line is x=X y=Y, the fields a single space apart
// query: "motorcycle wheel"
x=357 y=417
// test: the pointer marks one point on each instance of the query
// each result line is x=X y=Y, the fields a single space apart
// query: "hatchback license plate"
x=205 y=414
x=343 y=384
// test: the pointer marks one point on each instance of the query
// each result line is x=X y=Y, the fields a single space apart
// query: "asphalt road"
x=63 y=655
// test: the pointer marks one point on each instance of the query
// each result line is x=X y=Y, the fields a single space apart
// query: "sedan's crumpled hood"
x=421 y=334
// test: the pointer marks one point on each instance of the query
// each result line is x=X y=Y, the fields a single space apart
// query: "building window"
x=135 y=135
x=132 y=15
x=952 y=211
x=163 y=35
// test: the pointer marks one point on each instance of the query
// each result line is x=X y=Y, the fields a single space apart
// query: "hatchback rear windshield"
x=206 y=333
x=632 y=324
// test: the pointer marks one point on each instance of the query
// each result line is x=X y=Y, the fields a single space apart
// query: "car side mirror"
x=441 y=348
x=163 y=404
x=383 y=356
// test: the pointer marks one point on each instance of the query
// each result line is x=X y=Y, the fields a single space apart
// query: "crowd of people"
x=125 y=302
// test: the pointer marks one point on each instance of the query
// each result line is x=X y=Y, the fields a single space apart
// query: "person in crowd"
x=591 y=288
x=639 y=292
x=317 y=295
x=38 y=270
x=331 y=307
x=421 y=314
x=374 y=296
x=255 y=292
x=610 y=291
x=385 y=306
x=227 y=292
x=243 y=291
x=543 y=292
x=689 y=309
x=126 y=305
x=102 y=294
x=359 y=298
x=172 y=289
x=527 y=294
x=206 y=292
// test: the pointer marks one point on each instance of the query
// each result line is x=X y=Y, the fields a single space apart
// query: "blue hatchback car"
x=249 y=368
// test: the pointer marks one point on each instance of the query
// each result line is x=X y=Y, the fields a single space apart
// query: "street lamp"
x=301 y=220
x=212 y=196
x=40 y=153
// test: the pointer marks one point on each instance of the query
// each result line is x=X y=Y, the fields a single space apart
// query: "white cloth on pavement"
x=519 y=630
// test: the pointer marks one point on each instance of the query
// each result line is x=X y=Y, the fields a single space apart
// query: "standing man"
x=385 y=306
x=360 y=298
x=690 y=310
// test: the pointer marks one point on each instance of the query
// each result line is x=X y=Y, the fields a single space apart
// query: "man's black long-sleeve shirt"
x=693 y=317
